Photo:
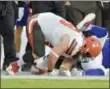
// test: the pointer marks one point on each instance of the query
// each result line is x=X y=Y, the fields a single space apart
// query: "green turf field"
x=46 y=83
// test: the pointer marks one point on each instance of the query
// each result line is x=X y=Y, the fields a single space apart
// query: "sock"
x=17 y=54
x=20 y=63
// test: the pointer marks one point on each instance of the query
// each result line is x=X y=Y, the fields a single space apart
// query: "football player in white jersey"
x=65 y=38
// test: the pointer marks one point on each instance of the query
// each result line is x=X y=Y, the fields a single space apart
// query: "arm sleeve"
x=98 y=31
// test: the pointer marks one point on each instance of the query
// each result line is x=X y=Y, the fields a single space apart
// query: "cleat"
x=37 y=71
x=86 y=22
x=53 y=73
x=12 y=68
x=76 y=72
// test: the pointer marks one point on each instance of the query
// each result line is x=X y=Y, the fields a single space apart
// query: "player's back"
x=48 y=22
x=54 y=26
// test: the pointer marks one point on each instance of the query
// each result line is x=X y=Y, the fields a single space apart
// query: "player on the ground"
x=96 y=65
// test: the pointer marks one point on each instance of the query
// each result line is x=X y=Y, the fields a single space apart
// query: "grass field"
x=47 y=83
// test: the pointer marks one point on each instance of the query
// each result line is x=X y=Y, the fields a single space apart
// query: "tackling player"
x=96 y=65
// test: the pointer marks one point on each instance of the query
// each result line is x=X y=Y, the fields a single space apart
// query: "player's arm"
x=30 y=22
x=57 y=51
x=68 y=62
x=20 y=22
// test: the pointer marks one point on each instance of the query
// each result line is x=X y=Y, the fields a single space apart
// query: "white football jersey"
x=54 y=27
x=95 y=63
x=92 y=63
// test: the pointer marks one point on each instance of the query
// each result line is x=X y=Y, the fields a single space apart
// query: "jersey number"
x=68 y=24
x=65 y=23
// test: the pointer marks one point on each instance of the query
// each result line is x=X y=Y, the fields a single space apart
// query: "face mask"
x=86 y=58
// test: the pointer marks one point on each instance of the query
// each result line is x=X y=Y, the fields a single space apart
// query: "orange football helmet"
x=91 y=46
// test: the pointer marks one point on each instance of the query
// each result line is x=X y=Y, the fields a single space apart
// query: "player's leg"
x=8 y=38
x=57 y=51
x=20 y=23
x=35 y=37
x=36 y=41
x=15 y=66
x=18 y=33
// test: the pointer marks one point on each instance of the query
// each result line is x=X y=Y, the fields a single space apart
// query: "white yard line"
x=55 y=77
x=27 y=75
